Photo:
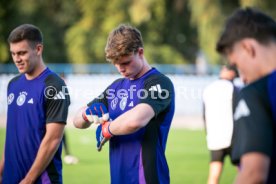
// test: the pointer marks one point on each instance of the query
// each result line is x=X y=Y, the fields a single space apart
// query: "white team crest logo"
x=21 y=98
x=123 y=102
x=114 y=103
x=10 y=98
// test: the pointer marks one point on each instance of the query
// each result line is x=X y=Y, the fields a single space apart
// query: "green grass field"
x=187 y=156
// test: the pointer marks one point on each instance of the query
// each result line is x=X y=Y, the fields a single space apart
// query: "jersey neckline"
x=37 y=77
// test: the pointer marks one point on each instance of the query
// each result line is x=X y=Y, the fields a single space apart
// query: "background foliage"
x=75 y=31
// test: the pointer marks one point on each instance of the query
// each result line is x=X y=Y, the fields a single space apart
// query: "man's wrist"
x=29 y=179
x=84 y=117
x=106 y=130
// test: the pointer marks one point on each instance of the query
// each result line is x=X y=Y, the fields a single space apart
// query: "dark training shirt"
x=255 y=122
x=140 y=157
x=31 y=105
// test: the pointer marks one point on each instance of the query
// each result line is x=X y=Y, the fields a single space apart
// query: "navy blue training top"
x=31 y=105
x=255 y=122
x=140 y=157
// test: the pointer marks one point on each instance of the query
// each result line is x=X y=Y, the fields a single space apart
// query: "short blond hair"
x=122 y=41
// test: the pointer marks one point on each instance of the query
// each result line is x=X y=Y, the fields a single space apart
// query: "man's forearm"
x=254 y=168
x=132 y=120
x=46 y=152
x=2 y=166
x=78 y=121
x=246 y=177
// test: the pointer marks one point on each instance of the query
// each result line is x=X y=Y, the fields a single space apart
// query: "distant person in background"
x=36 y=116
x=249 y=42
x=218 y=118
x=68 y=157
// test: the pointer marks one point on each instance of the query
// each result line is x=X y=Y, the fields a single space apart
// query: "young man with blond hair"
x=136 y=112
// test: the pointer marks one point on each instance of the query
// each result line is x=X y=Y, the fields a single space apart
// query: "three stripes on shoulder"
x=59 y=96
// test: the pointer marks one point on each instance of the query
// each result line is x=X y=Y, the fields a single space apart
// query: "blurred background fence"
x=65 y=68
x=86 y=82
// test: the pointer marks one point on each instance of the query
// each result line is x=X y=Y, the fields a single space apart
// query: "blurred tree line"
x=75 y=31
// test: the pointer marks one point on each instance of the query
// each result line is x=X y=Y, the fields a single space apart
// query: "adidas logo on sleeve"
x=242 y=110
x=59 y=96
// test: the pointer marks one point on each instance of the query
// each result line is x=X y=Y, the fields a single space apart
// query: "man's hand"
x=26 y=181
x=2 y=160
x=96 y=113
x=103 y=134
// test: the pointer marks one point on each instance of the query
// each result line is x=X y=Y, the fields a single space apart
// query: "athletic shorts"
x=219 y=155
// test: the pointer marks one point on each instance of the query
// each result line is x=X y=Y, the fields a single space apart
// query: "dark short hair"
x=246 y=23
x=27 y=32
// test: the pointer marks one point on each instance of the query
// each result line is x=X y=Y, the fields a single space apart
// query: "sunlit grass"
x=187 y=156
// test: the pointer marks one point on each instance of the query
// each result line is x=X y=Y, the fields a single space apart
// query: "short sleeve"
x=253 y=127
x=57 y=99
x=159 y=92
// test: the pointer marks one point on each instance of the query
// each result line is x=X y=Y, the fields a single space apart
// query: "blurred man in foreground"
x=249 y=42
